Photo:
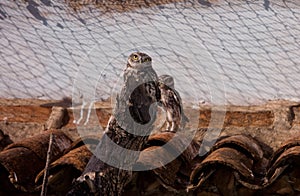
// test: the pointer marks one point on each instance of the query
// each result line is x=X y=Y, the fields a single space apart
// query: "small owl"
x=141 y=81
x=135 y=104
x=171 y=103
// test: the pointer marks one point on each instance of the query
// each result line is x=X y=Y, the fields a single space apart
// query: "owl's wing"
x=140 y=101
x=149 y=76
x=179 y=100
x=144 y=95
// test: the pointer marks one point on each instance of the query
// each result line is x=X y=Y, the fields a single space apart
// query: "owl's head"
x=166 y=80
x=139 y=60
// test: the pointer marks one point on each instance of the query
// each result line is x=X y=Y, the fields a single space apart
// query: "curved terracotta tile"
x=21 y=165
x=178 y=141
x=174 y=175
x=222 y=157
x=290 y=157
x=65 y=170
x=24 y=160
x=247 y=143
x=39 y=144
x=288 y=144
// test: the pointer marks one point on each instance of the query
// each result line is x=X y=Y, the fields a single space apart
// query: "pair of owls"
x=153 y=89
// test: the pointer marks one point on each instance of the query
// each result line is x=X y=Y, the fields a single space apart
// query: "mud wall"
x=272 y=123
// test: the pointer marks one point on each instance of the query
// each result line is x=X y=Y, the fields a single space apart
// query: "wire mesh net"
x=246 y=51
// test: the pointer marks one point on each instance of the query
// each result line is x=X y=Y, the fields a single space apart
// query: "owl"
x=142 y=87
x=136 y=103
x=171 y=103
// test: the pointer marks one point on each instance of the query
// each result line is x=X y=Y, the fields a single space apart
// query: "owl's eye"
x=135 y=57
x=147 y=59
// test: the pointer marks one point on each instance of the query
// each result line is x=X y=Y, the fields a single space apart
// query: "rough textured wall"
x=257 y=151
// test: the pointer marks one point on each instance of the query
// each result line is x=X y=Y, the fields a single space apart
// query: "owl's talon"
x=170 y=131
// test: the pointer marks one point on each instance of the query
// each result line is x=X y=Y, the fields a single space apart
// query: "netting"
x=248 y=51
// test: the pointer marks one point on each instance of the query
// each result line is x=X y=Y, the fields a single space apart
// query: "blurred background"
x=219 y=52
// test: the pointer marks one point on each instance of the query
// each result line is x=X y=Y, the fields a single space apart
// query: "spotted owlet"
x=172 y=104
x=141 y=81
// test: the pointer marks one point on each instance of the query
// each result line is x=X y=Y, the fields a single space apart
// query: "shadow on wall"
x=118 y=5
x=32 y=7
x=104 y=5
